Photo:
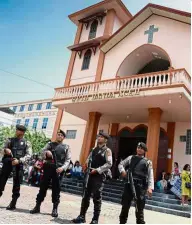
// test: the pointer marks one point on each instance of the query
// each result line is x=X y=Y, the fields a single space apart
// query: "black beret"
x=104 y=135
x=142 y=145
x=21 y=127
x=62 y=132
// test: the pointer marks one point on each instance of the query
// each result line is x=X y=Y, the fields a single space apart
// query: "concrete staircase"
x=165 y=203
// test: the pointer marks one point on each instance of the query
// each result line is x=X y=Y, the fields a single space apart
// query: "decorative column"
x=153 y=133
x=90 y=135
x=114 y=129
x=57 y=124
x=67 y=79
x=73 y=56
x=171 y=135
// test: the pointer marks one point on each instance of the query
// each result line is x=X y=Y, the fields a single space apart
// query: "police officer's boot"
x=36 y=209
x=54 y=211
x=12 y=204
x=93 y=221
x=122 y=221
x=79 y=219
x=140 y=217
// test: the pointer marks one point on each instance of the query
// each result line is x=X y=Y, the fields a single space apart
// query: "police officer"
x=57 y=158
x=143 y=181
x=16 y=151
x=101 y=162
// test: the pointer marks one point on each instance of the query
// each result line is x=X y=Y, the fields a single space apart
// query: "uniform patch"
x=108 y=153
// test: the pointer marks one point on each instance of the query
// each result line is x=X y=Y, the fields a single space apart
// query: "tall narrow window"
x=93 y=29
x=14 y=108
x=22 y=107
x=26 y=122
x=30 y=107
x=18 y=121
x=39 y=106
x=35 y=122
x=86 y=60
x=45 y=121
x=48 y=106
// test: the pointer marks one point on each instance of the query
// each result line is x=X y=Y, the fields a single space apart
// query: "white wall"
x=6 y=119
x=39 y=114
x=70 y=122
x=180 y=147
x=174 y=37
x=82 y=76
x=117 y=24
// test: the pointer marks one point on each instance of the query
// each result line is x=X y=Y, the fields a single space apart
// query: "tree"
x=37 y=138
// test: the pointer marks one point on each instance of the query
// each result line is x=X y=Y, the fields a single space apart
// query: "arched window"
x=93 y=29
x=86 y=60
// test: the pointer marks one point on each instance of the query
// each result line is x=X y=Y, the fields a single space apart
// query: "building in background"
x=41 y=115
x=130 y=76
x=6 y=117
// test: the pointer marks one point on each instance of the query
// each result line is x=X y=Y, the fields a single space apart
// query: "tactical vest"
x=141 y=169
x=18 y=147
x=59 y=152
x=98 y=157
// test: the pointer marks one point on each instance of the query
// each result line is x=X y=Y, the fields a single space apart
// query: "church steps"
x=113 y=188
x=159 y=202
x=167 y=203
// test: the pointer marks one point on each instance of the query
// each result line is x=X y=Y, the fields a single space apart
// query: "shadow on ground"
x=61 y=221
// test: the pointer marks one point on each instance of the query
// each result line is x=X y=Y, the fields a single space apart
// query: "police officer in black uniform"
x=143 y=181
x=101 y=162
x=16 y=151
x=57 y=158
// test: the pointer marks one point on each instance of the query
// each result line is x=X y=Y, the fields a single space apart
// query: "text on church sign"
x=107 y=95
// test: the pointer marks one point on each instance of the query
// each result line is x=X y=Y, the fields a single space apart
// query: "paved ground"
x=68 y=209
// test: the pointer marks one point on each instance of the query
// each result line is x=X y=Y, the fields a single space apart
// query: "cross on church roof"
x=150 y=32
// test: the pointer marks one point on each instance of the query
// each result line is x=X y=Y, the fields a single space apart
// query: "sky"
x=34 y=36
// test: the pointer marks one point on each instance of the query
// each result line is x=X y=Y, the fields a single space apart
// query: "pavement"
x=69 y=209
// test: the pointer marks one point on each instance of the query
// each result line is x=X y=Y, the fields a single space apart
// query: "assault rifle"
x=86 y=180
x=17 y=154
x=131 y=182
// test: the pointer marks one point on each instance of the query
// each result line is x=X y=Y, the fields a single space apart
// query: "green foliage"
x=37 y=138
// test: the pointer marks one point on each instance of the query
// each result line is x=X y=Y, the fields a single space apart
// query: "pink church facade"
x=129 y=76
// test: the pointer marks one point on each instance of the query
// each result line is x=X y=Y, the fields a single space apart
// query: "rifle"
x=87 y=174
x=17 y=155
x=57 y=166
x=131 y=182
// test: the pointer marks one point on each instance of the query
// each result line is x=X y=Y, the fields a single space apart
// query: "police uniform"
x=142 y=174
x=101 y=158
x=61 y=158
x=21 y=150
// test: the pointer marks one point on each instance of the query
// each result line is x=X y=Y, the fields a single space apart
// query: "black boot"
x=12 y=204
x=140 y=222
x=123 y=221
x=94 y=221
x=54 y=211
x=79 y=219
x=36 y=209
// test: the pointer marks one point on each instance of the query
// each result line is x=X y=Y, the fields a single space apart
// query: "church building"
x=130 y=76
